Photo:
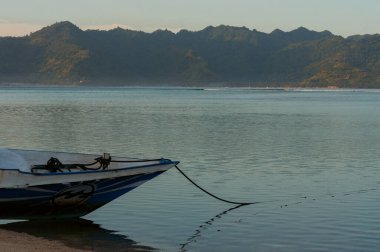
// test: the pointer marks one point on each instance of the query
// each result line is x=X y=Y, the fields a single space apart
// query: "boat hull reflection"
x=77 y=233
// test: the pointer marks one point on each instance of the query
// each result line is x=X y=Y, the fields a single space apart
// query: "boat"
x=52 y=185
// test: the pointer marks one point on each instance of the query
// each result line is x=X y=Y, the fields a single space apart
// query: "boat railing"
x=54 y=165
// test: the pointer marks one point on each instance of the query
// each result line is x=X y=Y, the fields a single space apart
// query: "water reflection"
x=205 y=225
x=77 y=233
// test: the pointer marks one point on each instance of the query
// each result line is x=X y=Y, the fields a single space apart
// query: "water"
x=312 y=158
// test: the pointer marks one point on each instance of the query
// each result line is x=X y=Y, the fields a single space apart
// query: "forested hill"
x=223 y=55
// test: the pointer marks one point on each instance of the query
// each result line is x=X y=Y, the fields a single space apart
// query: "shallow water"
x=311 y=158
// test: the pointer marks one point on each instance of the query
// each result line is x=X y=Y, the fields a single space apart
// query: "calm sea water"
x=311 y=158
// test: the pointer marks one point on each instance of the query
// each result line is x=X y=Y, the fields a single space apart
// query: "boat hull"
x=66 y=200
x=51 y=185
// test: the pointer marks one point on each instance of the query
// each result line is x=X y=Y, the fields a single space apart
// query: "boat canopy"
x=12 y=160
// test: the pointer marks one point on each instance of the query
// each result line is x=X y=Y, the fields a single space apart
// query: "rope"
x=212 y=195
x=55 y=165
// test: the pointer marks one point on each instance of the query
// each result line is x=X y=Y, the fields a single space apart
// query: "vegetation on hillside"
x=222 y=55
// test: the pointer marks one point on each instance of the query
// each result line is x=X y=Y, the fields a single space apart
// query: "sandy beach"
x=14 y=241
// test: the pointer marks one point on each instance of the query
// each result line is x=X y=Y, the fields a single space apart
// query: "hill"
x=236 y=56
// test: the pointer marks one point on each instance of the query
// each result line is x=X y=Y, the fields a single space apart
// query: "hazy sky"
x=342 y=17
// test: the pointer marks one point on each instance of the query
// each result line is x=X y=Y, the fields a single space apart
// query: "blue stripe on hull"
x=65 y=200
x=110 y=193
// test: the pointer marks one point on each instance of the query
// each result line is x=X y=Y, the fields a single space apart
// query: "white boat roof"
x=11 y=160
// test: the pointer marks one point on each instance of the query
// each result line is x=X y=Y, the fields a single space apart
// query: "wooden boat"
x=45 y=184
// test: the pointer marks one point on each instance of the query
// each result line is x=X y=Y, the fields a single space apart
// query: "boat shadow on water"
x=77 y=233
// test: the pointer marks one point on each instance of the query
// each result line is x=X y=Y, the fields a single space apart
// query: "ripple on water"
x=312 y=155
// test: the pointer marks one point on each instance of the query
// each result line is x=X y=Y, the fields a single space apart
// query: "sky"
x=341 y=17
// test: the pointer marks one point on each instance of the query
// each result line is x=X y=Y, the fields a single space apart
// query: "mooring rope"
x=213 y=195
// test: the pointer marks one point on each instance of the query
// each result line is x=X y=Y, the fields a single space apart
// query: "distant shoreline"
x=200 y=87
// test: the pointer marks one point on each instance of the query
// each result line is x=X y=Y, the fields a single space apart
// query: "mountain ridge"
x=62 y=53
